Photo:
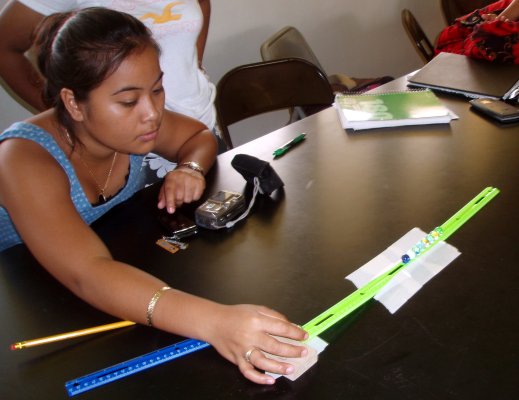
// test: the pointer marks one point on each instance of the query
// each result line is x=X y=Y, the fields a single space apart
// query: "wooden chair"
x=257 y=88
x=289 y=42
x=419 y=39
x=452 y=9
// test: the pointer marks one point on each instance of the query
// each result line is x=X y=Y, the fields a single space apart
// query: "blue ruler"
x=138 y=364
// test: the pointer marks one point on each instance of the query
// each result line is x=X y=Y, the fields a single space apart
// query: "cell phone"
x=177 y=225
x=497 y=109
x=219 y=209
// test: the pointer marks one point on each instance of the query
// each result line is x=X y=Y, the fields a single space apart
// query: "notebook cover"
x=455 y=73
x=367 y=111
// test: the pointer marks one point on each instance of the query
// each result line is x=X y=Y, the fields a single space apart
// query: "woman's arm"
x=35 y=191
x=17 y=23
x=511 y=13
x=38 y=201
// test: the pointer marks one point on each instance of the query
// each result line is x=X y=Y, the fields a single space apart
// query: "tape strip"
x=409 y=280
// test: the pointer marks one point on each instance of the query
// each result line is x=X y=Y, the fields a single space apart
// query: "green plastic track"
x=352 y=302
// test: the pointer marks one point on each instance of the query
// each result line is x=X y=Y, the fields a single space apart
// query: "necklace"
x=101 y=190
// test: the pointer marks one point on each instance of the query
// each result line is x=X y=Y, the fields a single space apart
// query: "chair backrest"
x=453 y=9
x=417 y=36
x=288 y=43
x=257 y=88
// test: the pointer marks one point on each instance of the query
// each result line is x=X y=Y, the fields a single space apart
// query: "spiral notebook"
x=381 y=110
x=458 y=74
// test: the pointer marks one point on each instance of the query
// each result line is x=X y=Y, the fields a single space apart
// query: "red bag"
x=470 y=35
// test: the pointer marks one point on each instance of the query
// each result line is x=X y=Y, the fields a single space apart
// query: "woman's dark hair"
x=78 y=50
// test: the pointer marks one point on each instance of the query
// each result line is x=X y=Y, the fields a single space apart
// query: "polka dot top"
x=8 y=234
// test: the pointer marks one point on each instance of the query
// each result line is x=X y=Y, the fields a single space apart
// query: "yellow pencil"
x=70 y=335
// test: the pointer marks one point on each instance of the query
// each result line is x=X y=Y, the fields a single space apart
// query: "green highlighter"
x=362 y=295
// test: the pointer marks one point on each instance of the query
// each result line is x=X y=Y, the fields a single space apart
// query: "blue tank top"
x=8 y=234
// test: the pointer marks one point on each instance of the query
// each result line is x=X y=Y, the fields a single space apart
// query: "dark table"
x=347 y=196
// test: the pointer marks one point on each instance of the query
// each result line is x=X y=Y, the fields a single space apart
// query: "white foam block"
x=301 y=364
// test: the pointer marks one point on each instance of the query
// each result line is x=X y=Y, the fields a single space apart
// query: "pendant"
x=101 y=198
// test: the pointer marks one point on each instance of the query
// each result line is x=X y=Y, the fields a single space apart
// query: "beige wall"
x=358 y=37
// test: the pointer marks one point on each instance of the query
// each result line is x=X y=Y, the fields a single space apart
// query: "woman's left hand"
x=182 y=185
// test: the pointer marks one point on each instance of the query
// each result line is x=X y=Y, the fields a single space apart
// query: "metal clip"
x=174 y=240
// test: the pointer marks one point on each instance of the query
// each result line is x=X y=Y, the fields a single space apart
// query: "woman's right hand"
x=242 y=333
x=509 y=14
x=494 y=17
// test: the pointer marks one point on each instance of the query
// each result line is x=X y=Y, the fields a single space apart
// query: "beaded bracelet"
x=152 y=303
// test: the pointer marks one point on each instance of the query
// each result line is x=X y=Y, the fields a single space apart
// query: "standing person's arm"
x=17 y=23
x=510 y=13
x=205 y=5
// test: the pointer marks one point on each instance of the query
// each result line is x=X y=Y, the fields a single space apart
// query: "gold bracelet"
x=152 y=303
x=192 y=165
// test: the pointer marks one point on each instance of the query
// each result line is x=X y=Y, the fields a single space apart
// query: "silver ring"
x=248 y=354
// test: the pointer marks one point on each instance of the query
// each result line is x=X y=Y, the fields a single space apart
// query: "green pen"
x=287 y=146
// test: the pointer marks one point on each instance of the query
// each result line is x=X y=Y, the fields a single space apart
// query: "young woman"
x=65 y=167
x=180 y=29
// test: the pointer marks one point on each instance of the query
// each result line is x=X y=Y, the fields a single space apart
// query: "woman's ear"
x=68 y=99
